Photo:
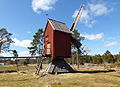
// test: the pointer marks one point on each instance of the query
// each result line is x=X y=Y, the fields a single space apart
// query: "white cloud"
x=111 y=44
x=29 y=32
x=3 y=54
x=91 y=11
x=21 y=43
x=20 y=53
x=45 y=5
x=24 y=53
x=93 y=36
x=99 y=9
x=6 y=54
x=85 y=17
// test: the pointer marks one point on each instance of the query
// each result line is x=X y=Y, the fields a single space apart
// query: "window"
x=46 y=38
x=48 y=48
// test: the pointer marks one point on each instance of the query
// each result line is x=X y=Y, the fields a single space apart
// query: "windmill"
x=57 y=44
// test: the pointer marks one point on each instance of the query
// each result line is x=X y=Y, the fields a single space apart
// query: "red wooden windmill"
x=57 y=44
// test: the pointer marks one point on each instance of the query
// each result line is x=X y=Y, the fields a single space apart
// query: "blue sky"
x=99 y=22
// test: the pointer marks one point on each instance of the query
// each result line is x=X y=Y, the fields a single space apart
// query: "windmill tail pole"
x=77 y=18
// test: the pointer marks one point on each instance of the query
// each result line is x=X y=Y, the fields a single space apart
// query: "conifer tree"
x=5 y=40
x=37 y=43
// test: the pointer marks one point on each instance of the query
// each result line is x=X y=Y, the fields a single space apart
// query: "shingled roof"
x=59 y=26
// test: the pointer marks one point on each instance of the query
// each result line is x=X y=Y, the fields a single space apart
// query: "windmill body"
x=57 y=40
x=57 y=44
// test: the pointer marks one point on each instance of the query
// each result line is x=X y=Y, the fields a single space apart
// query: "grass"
x=29 y=79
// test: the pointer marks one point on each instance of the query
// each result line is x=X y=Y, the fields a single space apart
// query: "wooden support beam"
x=58 y=65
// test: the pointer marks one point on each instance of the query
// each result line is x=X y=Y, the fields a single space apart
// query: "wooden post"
x=4 y=62
x=17 y=64
x=39 y=66
x=77 y=58
x=58 y=65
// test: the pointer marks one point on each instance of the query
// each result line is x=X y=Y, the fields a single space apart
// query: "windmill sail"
x=77 y=18
x=84 y=49
x=76 y=43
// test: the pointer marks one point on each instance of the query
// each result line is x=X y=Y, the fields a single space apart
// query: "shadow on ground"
x=95 y=71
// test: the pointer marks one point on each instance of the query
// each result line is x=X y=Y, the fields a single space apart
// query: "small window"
x=46 y=38
x=48 y=46
x=48 y=49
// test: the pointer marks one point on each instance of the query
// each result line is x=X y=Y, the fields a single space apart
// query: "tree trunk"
x=77 y=53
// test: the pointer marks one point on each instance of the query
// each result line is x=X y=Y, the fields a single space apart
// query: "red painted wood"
x=48 y=33
x=60 y=42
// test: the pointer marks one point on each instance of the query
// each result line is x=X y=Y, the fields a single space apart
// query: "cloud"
x=93 y=36
x=21 y=43
x=24 y=53
x=85 y=18
x=99 y=9
x=3 y=54
x=20 y=53
x=28 y=32
x=111 y=44
x=91 y=11
x=44 y=5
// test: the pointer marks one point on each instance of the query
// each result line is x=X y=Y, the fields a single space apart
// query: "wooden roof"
x=59 y=26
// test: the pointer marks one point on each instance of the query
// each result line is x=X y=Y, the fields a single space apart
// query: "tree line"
x=36 y=48
x=107 y=57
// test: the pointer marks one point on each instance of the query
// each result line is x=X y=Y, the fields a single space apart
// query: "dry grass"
x=110 y=79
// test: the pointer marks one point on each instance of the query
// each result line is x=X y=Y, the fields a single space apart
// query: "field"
x=26 y=78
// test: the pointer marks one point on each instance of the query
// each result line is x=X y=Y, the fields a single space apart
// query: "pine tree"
x=5 y=40
x=108 y=57
x=37 y=43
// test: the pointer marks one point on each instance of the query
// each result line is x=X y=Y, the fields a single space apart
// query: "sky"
x=99 y=22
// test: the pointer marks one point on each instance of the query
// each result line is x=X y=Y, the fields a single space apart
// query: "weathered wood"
x=39 y=67
x=76 y=43
x=17 y=65
x=58 y=65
